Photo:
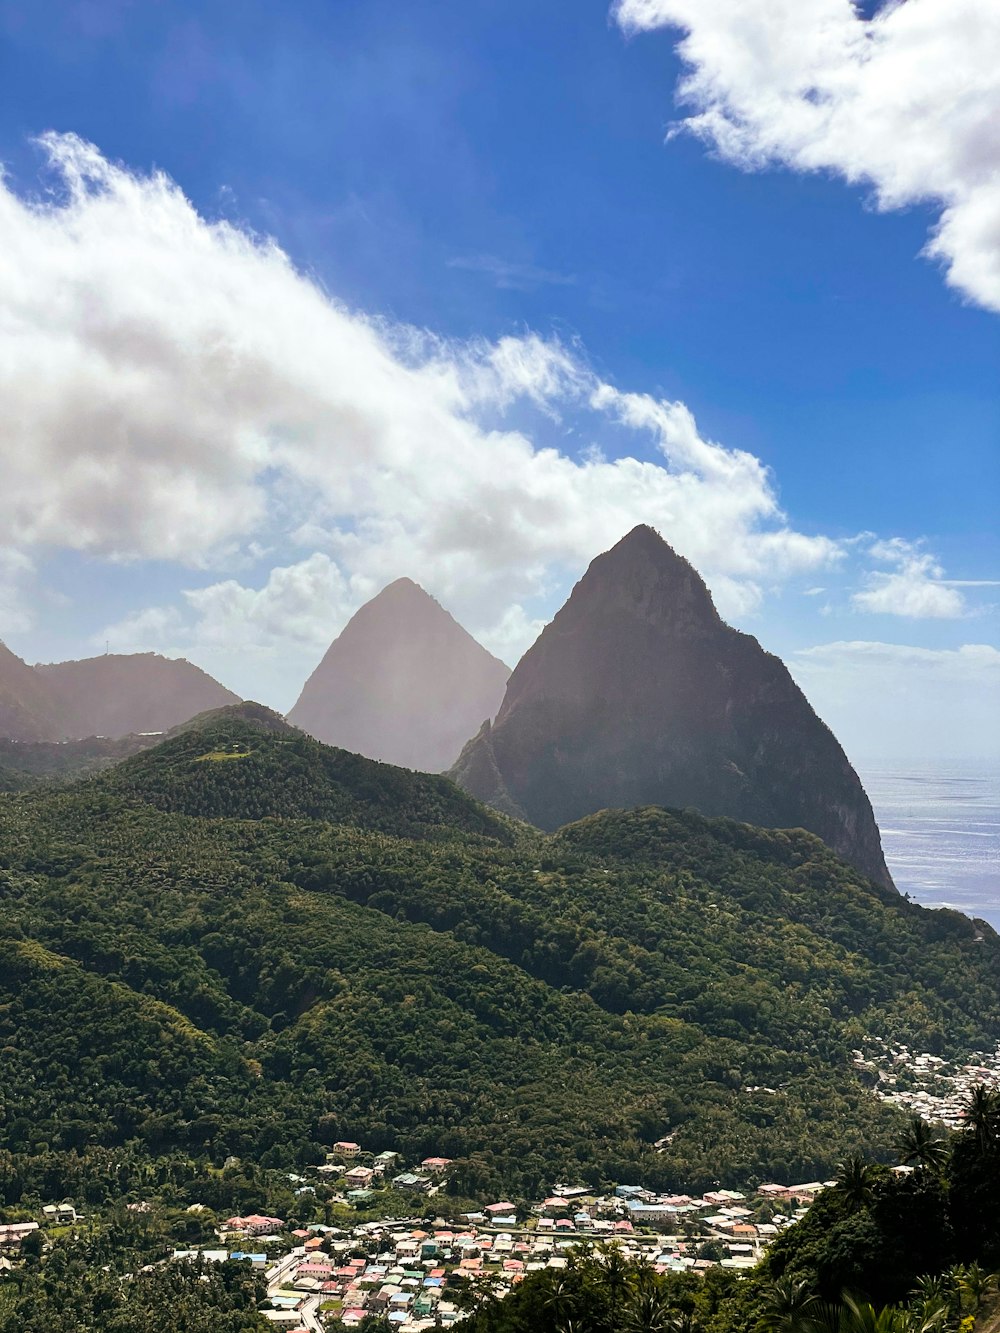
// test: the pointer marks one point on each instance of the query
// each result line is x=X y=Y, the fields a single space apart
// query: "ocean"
x=940 y=827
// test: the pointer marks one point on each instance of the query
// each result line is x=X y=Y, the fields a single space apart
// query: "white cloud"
x=300 y=606
x=885 y=699
x=914 y=589
x=174 y=389
x=971 y=659
x=262 y=642
x=906 y=102
x=16 y=575
x=513 y=632
x=154 y=628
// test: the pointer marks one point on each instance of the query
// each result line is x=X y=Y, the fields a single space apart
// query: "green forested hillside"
x=23 y=763
x=242 y=942
x=245 y=762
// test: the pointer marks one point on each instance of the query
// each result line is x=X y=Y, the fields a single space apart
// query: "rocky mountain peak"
x=638 y=693
x=403 y=682
x=644 y=577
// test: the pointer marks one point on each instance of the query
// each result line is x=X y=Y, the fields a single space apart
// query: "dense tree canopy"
x=244 y=943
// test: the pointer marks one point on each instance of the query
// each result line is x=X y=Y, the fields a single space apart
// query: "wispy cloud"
x=511 y=276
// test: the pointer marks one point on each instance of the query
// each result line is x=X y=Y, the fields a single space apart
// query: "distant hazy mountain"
x=29 y=708
x=120 y=693
x=638 y=693
x=404 y=683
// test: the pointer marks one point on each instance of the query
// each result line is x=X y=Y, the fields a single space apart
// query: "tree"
x=863 y=1317
x=856 y=1182
x=33 y=1245
x=982 y=1117
x=972 y=1285
x=790 y=1306
x=918 y=1145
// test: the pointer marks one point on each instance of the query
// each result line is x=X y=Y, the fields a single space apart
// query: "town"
x=428 y=1268
x=925 y=1084
x=420 y=1272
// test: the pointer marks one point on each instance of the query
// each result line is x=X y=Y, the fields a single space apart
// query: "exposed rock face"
x=122 y=693
x=404 y=683
x=638 y=693
x=29 y=709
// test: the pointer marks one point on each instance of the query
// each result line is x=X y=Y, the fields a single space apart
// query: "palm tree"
x=982 y=1116
x=827 y=1317
x=929 y=1320
x=862 y=1317
x=561 y=1302
x=649 y=1311
x=918 y=1145
x=972 y=1285
x=616 y=1271
x=856 y=1182
x=791 y=1307
x=932 y=1290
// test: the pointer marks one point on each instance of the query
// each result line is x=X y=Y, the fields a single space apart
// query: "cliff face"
x=121 y=693
x=638 y=693
x=404 y=683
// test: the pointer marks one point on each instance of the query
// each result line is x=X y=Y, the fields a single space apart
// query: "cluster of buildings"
x=925 y=1084
x=413 y=1271
x=368 y=1171
x=14 y=1234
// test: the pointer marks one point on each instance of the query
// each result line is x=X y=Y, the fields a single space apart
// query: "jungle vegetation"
x=204 y=960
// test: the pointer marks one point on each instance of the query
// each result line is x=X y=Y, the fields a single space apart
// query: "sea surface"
x=940 y=825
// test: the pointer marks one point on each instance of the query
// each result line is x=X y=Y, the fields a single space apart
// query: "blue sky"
x=501 y=176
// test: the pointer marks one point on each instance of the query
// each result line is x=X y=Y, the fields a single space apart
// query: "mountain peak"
x=404 y=590
x=403 y=682
x=638 y=693
x=640 y=579
x=643 y=535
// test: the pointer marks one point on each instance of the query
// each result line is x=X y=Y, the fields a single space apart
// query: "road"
x=309 y=1311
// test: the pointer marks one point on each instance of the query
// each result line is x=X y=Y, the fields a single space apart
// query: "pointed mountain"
x=638 y=693
x=404 y=683
x=122 y=693
x=29 y=708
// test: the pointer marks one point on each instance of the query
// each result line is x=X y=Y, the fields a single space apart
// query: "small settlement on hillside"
x=414 y=1269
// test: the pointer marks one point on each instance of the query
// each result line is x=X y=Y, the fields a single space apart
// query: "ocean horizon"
x=940 y=826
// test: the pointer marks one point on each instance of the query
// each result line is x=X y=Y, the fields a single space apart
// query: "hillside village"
x=924 y=1084
x=429 y=1268
x=421 y=1270
x=425 y=1268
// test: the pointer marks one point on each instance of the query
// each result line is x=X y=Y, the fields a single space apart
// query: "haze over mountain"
x=29 y=709
x=638 y=693
x=403 y=682
x=122 y=693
